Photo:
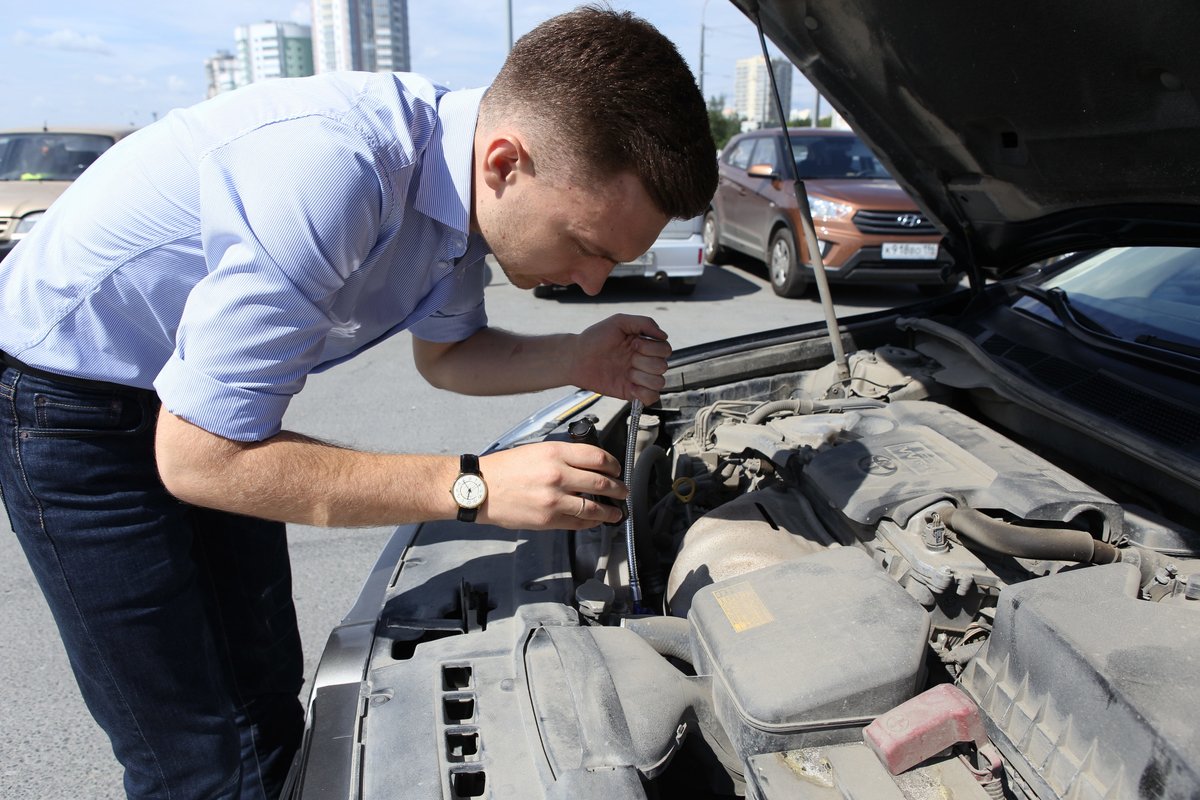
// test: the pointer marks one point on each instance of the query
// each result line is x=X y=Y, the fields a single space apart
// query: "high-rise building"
x=752 y=95
x=367 y=35
x=221 y=71
x=272 y=50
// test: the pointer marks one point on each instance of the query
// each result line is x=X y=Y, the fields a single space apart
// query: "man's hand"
x=623 y=356
x=540 y=486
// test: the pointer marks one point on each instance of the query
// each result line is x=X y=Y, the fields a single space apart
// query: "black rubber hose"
x=1050 y=544
x=649 y=564
x=669 y=636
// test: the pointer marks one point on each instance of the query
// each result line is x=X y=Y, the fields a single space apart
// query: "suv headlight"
x=27 y=222
x=828 y=209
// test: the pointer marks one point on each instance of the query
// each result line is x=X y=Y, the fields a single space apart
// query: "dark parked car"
x=949 y=550
x=869 y=230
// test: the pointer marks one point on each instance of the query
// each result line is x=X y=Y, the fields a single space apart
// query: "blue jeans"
x=178 y=620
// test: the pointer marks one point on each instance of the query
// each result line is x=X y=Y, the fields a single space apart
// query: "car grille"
x=904 y=223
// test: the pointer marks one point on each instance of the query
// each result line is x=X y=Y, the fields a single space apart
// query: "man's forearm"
x=496 y=362
x=622 y=356
x=292 y=478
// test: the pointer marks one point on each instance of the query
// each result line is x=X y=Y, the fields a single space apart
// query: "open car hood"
x=1067 y=126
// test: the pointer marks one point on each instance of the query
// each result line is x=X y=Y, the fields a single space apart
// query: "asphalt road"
x=49 y=746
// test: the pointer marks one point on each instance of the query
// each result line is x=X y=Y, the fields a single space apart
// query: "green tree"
x=723 y=128
x=825 y=122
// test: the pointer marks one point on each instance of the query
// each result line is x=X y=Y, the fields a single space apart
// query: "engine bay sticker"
x=919 y=458
x=743 y=607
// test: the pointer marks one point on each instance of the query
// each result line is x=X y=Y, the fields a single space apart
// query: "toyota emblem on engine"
x=877 y=465
x=909 y=220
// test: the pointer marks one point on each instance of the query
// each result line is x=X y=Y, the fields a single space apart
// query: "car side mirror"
x=763 y=171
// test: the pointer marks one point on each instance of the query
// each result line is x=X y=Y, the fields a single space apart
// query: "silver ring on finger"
x=582 y=506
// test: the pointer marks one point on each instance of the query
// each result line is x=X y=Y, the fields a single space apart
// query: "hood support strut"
x=810 y=233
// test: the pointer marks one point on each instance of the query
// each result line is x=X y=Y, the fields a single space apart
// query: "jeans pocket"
x=71 y=412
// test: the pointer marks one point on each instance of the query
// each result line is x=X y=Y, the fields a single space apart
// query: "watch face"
x=469 y=491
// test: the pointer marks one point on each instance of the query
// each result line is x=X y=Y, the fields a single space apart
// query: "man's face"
x=554 y=230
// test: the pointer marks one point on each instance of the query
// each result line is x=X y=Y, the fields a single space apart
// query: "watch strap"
x=467 y=514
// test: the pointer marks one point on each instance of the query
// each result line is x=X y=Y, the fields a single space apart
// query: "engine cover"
x=901 y=458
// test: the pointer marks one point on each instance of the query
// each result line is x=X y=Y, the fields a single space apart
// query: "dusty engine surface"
x=871 y=477
x=768 y=511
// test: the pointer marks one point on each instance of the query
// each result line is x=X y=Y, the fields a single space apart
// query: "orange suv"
x=869 y=230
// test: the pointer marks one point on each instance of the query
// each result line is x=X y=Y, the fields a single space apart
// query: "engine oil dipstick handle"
x=635 y=586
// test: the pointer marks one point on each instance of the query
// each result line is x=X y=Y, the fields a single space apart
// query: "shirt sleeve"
x=288 y=212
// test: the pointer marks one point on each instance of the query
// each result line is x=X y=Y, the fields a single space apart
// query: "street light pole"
x=510 y=41
x=703 y=10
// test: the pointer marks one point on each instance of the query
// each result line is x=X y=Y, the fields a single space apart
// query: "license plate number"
x=910 y=251
x=635 y=267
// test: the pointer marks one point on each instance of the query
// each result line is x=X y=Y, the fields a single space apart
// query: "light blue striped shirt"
x=223 y=253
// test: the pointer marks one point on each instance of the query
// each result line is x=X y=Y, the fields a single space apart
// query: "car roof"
x=100 y=130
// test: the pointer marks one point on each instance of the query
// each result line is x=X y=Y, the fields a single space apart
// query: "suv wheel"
x=713 y=251
x=787 y=276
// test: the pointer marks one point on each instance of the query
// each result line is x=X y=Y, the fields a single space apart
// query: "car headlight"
x=27 y=222
x=828 y=209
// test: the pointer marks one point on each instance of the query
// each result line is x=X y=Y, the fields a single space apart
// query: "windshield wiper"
x=1151 y=340
x=1070 y=315
x=1088 y=330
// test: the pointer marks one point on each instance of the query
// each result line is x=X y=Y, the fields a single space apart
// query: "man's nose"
x=591 y=277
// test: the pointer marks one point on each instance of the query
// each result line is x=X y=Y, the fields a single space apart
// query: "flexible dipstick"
x=635 y=586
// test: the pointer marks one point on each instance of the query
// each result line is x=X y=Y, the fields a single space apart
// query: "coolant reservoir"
x=809 y=651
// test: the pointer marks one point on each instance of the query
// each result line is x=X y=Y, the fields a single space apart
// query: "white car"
x=676 y=260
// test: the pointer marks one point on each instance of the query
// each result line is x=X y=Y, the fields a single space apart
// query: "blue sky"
x=124 y=61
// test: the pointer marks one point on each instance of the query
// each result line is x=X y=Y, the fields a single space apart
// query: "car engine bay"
x=849 y=587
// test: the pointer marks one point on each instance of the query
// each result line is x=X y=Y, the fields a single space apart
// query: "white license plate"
x=910 y=251
x=625 y=270
x=635 y=267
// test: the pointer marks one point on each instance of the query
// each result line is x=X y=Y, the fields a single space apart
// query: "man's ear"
x=504 y=156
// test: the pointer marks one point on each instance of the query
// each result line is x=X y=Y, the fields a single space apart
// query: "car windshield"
x=835 y=157
x=1145 y=295
x=49 y=156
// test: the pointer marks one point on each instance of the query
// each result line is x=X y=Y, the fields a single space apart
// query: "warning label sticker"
x=743 y=607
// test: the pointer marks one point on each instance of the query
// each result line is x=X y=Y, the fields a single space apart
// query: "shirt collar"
x=447 y=160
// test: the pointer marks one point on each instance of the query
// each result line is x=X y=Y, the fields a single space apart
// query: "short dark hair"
x=608 y=93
